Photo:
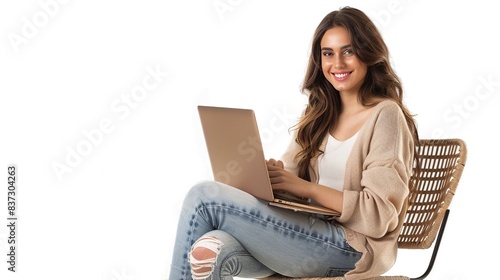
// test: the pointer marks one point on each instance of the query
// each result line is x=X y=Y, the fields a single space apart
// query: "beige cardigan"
x=375 y=188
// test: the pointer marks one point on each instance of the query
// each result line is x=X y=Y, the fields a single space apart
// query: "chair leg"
x=436 y=247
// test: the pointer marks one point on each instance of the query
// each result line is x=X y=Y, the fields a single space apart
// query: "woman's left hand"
x=286 y=181
x=289 y=182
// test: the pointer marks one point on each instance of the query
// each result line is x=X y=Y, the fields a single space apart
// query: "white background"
x=67 y=66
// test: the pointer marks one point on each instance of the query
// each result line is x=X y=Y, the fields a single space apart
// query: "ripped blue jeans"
x=247 y=238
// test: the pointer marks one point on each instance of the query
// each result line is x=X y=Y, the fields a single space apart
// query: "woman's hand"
x=273 y=162
x=286 y=181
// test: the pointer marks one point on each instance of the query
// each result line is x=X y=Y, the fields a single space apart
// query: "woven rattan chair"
x=431 y=191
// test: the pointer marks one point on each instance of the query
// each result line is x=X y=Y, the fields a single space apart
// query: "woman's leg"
x=221 y=256
x=289 y=243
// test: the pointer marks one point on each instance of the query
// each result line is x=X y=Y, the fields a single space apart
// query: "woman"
x=352 y=151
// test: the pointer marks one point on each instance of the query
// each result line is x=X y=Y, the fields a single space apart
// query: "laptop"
x=237 y=157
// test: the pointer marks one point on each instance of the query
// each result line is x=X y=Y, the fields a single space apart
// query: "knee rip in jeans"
x=203 y=257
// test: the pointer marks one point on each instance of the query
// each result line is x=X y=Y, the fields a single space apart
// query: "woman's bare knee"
x=203 y=257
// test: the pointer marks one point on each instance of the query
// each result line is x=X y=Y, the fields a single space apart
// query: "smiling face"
x=340 y=65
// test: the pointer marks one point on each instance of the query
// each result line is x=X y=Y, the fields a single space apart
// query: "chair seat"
x=279 y=277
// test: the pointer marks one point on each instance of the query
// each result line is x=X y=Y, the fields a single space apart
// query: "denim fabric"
x=259 y=239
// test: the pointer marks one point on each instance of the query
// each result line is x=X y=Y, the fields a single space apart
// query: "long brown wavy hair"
x=324 y=105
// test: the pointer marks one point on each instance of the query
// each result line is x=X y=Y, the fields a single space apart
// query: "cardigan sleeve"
x=373 y=207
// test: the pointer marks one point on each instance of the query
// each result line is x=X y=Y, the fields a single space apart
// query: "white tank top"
x=331 y=164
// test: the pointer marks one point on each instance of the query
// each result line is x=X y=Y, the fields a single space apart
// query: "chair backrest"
x=431 y=190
